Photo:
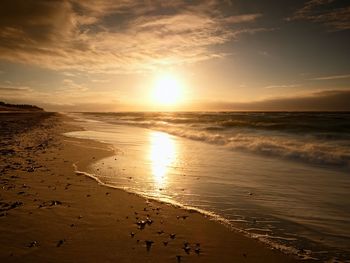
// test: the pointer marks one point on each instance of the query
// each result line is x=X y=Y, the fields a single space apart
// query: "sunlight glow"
x=162 y=155
x=167 y=91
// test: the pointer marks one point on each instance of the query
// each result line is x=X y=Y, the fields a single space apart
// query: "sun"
x=167 y=91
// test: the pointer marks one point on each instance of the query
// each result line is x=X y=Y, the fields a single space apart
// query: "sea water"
x=280 y=177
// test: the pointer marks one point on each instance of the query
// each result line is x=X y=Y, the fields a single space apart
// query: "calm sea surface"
x=283 y=178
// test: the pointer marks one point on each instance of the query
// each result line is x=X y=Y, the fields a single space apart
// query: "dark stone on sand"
x=148 y=244
x=60 y=242
x=53 y=203
x=149 y=221
x=187 y=247
x=7 y=206
x=50 y=203
x=33 y=244
x=178 y=258
x=172 y=236
x=141 y=224
x=197 y=250
x=165 y=243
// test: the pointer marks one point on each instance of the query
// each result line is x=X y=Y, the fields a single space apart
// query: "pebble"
x=148 y=244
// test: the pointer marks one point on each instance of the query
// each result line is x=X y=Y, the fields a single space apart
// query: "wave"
x=280 y=146
x=322 y=138
x=277 y=121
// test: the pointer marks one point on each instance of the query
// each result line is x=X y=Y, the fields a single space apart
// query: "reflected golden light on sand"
x=162 y=155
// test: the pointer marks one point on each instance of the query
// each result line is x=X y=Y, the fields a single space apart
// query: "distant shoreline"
x=8 y=107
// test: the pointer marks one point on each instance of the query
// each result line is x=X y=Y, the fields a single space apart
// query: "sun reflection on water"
x=162 y=155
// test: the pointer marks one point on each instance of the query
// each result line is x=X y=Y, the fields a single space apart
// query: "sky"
x=104 y=55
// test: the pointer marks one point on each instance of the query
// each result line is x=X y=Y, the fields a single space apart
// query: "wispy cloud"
x=334 y=14
x=332 y=77
x=116 y=36
x=6 y=89
x=282 y=86
x=71 y=86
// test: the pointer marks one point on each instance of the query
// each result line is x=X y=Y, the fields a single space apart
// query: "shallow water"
x=300 y=207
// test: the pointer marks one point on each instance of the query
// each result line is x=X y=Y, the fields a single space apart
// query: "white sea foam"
x=304 y=137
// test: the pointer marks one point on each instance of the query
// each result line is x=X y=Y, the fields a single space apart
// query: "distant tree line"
x=20 y=106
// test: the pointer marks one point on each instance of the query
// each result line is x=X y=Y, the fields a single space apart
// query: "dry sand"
x=48 y=213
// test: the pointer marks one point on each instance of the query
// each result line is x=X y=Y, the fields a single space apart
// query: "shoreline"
x=62 y=215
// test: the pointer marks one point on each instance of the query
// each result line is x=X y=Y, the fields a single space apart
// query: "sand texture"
x=48 y=213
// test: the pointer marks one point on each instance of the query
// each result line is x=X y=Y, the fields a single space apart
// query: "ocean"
x=280 y=177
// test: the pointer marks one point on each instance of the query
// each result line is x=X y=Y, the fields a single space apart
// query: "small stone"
x=187 y=247
x=33 y=244
x=148 y=244
x=60 y=242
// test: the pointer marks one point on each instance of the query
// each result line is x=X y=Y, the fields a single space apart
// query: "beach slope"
x=50 y=213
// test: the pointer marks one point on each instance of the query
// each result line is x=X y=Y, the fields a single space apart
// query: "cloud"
x=71 y=86
x=282 y=86
x=116 y=36
x=332 y=77
x=330 y=13
x=327 y=100
x=241 y=18
x=14 y=89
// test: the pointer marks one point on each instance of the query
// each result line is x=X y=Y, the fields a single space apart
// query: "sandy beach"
x=49 y=213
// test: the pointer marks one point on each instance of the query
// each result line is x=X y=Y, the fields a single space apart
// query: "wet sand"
x=48 y=213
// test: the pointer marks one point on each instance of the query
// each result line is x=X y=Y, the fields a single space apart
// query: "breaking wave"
x=317 y=138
